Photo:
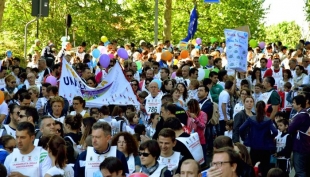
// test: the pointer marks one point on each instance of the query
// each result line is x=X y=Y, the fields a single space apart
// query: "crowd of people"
x=253 y=123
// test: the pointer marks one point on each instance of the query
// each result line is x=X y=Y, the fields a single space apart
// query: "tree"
x=286 y=32
x=2 y=3
x=167 y=20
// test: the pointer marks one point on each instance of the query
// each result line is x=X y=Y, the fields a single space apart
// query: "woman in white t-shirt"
x=58 y=153
x=240 y=104
x=78 y=106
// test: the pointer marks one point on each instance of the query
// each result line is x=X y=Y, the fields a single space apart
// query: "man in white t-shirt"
x=26 y=159
x=134 y=68
x=10 y=129
x=224 y=106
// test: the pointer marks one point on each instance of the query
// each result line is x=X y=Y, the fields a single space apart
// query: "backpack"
x=74 y=145
x=121 y=122
x=215 y=114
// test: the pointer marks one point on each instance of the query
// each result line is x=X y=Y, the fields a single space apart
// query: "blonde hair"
x=9 y=78
x=35 y=90
x=57 y=99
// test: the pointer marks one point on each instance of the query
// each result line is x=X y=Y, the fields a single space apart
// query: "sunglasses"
x=21 y=116
x=10 y=148
x=144 y=154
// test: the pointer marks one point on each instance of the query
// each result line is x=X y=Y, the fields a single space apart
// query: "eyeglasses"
x=10 y=148
x=18 y=112
x=144 y=154
x=218 y=164
x=21 y=116
x=121 y=142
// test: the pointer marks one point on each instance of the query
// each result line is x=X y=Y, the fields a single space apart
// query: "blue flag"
x=192 y=27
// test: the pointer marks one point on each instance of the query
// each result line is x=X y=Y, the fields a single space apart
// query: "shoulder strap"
x=70 y=139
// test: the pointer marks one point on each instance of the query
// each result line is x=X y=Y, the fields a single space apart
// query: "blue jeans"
x=301 y=164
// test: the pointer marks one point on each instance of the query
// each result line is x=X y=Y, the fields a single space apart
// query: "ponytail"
x=260 y=111
x=61 y=156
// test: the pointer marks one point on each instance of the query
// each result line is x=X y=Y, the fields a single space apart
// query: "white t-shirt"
x=66 y=172
x=4 y=110
x=224 y=97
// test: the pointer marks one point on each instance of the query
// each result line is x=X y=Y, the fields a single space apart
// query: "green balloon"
x=216 y=70
x=253 y=43
x=207 y=72
x=213 y=39
x=139 y=65
x=203 y=60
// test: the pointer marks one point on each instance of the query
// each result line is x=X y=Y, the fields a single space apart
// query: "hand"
x=176 y=175
x=215 y=172
x=16 y=174
x=192 y=115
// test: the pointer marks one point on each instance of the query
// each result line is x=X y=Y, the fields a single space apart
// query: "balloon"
x=158 y=82
x=198 y=41
x=166 y=56
x=184 y=54
x=207 y=72
x=201 y=74
x=193 y=42
x=213 y=39
x=139 y=65
x=111 y=56
x=104 y=39
x=269 y=63
x=175 y=62
x=173 y=75
x=102 y=49
x=106 y=43
x=1 y=97
x=262 y=45
x=52 y=80
x=138 y=175
x=203 y=60
x=216 y=70
x=96 y=53
x=9 y=54
x=104 y=60
x=122 y=53
x=253 y=43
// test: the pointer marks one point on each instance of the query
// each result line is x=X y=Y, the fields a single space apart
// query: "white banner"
x=236 y=49
x=114 y=89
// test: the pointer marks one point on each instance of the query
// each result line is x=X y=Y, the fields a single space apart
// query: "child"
x=193 y=89
x=284 y=146
x=133 y=119
x=229 y=127
x=279 y=116
x=257 y=91
x=150 y=130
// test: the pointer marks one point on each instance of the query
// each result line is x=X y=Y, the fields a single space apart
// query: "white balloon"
x=201 y=74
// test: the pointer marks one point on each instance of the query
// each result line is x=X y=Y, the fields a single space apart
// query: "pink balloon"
x=52 y=80
x=173 y=75
x=269 y=63
x=102 y=49
x=138 y=175
x=262 y=45
x=111 y=56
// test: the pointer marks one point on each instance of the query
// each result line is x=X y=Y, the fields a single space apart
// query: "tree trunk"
x=167 y=20
x=2 y=2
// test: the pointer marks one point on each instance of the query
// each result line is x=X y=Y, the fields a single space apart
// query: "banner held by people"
x=114 y=89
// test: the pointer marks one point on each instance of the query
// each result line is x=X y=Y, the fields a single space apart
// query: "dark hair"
x=217 y=60
x=185 y=93
x=167 y=98
x=167 y=133
x=26 y=126
x=152 y=116
x=207 y=81
x=132 y=144
x=57 y=146
x=280 y=114
x=74 y=121
x=287 y=85
x=93 y=79
x=43 y=141
x=223 y=141
x=3 y=172
x=46 y=84
x=270 y=80
x=275 y=172
x=81 y=100
x=173 y=123
x=172 y=108
x=192 y=71
x=130 y=117
x=52 y=89
x=166 y=70
x=260 y=111
x=300 y=100
x=4 y=139
x=152 y=146
x=61 y=127
x=228 y=84
x=213 y=73
x=24 y=96
x=88 y=122
x=284 y=121
x=139 y=129
x=243 y=151
x=264 y=59
x=232 y=154
x=166 y=82
x=301 y=68
x=221 y=74
x=253 y=76
x=117 y=111
x=12 y=107
x=112 y=164
x=31 y=111
x=230 y=123
x=105 y=110
x=193 y=106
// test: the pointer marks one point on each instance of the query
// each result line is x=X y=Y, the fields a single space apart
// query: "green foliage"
x=130 y=21
x=287 y=32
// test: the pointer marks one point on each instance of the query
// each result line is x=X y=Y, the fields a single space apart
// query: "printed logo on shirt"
x=43 y=156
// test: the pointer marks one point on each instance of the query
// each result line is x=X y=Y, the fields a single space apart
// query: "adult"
x=89 y=160
x=26 y=159
x=196 y=63
x=224 y=106
x=10 y=129
x=24 y=99
x=3 y=71
x=79 y=107
x=242 y=116
x=287 y=77
x=292 y=64
x=239 y=106
x=164 y=74
x=10 y=82
x=275 y=71
x=129 y=75
x=149 y=152
x=34 y=94
x=86 y=126
x=128 y=145
x=28 y=114
x=111 y=167
x=57 y=104
x=48 y=53
x=57 y=151
x=53 y=92
x=191 y=168
x=42 y=100
x=43 y=70
x=263 y=66
x=301 y=78
x=7 y=145
x=31 y=81
x=167 y=86
x=216 y=88
x=86 y=73
x=153 y=100
x=72 y=125
x=217 y=63
x=299 y=128
x=224 y=163
x=47 y=126
x=260 y=138
x=270 y=97
x=133 y=66
x=193 y=73
x=185 y=74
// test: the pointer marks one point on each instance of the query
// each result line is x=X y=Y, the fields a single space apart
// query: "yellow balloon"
x=175 y=62
x=104 y=39
x=193 y=42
